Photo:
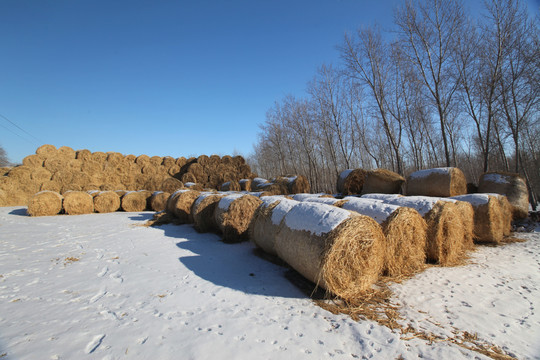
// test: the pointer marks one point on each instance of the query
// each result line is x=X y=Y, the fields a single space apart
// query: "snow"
x=473 y=199
x=100 y=286
x=373 y=208
x=323 y=200
x=422 y=204
x=495 y=178
x=316 y=218
x=381 y=197
x=304 y=196
x=427 y=172
x=226 y=201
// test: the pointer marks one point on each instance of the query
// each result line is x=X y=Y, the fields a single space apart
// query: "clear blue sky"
x=161 y=77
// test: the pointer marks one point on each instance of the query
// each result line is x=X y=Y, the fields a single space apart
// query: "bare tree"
x=4 y=161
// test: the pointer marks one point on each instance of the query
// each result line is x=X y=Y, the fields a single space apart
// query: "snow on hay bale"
x=158 y=200
x=245 y=184
x=382 y=181
x=336 y=249
x=444 y=182
x=230 y=186
x=78 y=202
x=133 y=201
x=405 y=231
x=351 y=181
x=105 y=201
x=328 y=200
x=202 y=212
x=266 y=221
x=233 y=214
x=182 y=203
x=169 y=207
x=513 y=186
x=296 y=184
x=45 y=203
x=488 y=217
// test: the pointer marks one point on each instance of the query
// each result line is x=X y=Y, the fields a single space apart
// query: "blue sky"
x=161 y=77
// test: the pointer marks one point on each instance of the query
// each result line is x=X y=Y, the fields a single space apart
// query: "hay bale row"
x=281 y=185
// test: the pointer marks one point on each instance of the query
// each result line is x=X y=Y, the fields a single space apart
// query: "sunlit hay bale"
x=202 y=212
x=78 y=202
x=149 y=169
x=83 y=155
x=106 y=201
x=66 y=152
x=513 y=186
x=215 y=160
x=279 y=188
x=20 y=173
x=171 y=201
x=382 y=181
x=445 y=182
x=111 y=187
x=351 y=181
x=140 y=181
x=4 y=170
x=73 y=165
x=227 y=176
x=238 y=160
x=181 y=161
x=226 y=160
x=203 y=160
x=336 y=249
x=506 y=213
x=134 y=201
x=63 y=177
x=188 y=178
x=156 y=160
x=158 y=200
x=54 y=164
x=405 y=231
x=234 y=214
x=466 y=212
x=198 y=171
x=91 y=167
x=230 y=186
x=130 y=158
x=46 y=150
x=51 y=185
x=80 y=178
x=488 y=217
x=297 y=184
x=171 y=184
x=148 y=195
x=99 y=156
x=181 y=205
x=245 y=184
x=45 y=203
x=40 y=175
x=173 y=170
x=70 y=187
x=244 y=171
x=115 y=158
x=266 y=221
x=168 y=161
x=153 y=183
x=91 y=187
x=3 y=198
x=121 y=193
x=34 y=161
x=142 y=160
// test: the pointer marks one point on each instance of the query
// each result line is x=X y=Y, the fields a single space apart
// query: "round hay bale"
x=121 y=193
x=115 y=158
x=3 y=198
x=506 y=213
x=173 y=170
x=238 y=160
x=513 y=186
x=4 y=170
x=153 y=183
x=66 y=152
x=20 y=173
x=226 y=160
x=99 y=157
x=181 y=161
x=158 y=200
x=81 y=179
x=203 y=160
x=142 y=160
x=168 y=161
x=202 y=212
x=34 y=161
x=198 y=171
x=73 y=165
x=130 y=158
x=297 y=184
x=91 y=167
x=45 y=203
x=336 y=249
x=244 y=171
x=279 y=188
x=46 y=150
x=156 y=160
x=55 y=163
x=111 y=187
x=71 y=187
x=466 y=213
x=63 y=177
x=171 y=184
x=443 y=182
x=188 y=178
x=382 y=181
x=266 y=221
x=134 y=201
x=171 y=201
x=90 y=187
x=351 y=181
x=149 y=169
x=17 y=198
x=83 y=155
x=78 y=202
x=234 y=214
x=106 y=201
x=245 y=184
x=230 y=186
x=51 y=185
x=41 y=175
x=181 y=205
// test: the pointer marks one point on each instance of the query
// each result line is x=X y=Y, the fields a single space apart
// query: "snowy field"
x=101 y=286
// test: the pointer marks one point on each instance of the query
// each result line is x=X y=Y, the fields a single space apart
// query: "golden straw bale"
x=51 y=185
x=4 y=170
x=181 y=205
x=20 y=173
x=233 y=214
x=133 y=201
x=444 y=182
x=106 y=201
x=238 y=160
x=111 y=187
x=467 y=214
x=171 y=201
x=130 y=158
x=173 y=170
x=121 y=193
x=506 y=213
x=67 y=152
x=78 y=202
x=34 y=161
x=91 y=167
x=149 y=169
x=351 y=181
x=156 y=160
x=153 y=183
x=45 y=203
x=513 y=186
x=55 y=163
x=297 y=184
x=203 y=160
x=198 y=171
x=226 y=160
x=73 y=165
x=168 y=161
x=7 y=183
x=227 y=176
x=230 y=186
x=115 y=158
x=171 y=184
x=382 y=181
x=158 y=200
x=202 y=212
x=40 y=175
x=342 y=254
x=3 y=198
x=80 y=178
x=189 y=178
x=181 y=161
x=244 y=171
x=279 y=188
x=46 y=150
x=71 y=187
x=83 y=155
x=245 y=184
x=17 y=198
x=444 y=244
x=142 y=160
x=91 y=186
x=99 y=156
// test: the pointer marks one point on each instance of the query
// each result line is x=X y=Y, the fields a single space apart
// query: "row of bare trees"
x=438 y=89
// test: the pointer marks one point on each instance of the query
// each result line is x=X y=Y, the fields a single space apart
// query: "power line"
x=20 y=128
x=13 y=132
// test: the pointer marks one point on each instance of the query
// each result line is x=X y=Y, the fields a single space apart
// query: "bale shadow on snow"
x=142 y=216
x=19 y=212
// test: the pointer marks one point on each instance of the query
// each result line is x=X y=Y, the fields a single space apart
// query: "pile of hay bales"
x=281 y=185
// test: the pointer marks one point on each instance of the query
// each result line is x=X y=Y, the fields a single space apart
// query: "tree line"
x=438 y=89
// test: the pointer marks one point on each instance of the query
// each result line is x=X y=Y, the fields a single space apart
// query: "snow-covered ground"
x=101 y=286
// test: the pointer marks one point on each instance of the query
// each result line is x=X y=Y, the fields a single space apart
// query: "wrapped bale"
x=46 y=150
x=78 y=202
x=202 y=212
x=266 y=221
x=230 y=186
x=45 y=203
x=351 y=181
x=106 y=201
x=382 y=181
x=405 y=232
x=233 y=214
x=437 y=182
x=513 y=186
x=182 y=203
x=158 y=200
x=134 y=201
x=336 y=249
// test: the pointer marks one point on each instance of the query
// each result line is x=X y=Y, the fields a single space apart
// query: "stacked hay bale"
x=438 y=182
x=382 y=181
x=513 y=186
x=351 y=181
x=211 y=172
x=281 y=185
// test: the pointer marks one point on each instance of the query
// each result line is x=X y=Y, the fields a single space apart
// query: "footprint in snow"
x=98 y=296
x=103 y=271
x=117 y=276
x=94 y=344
